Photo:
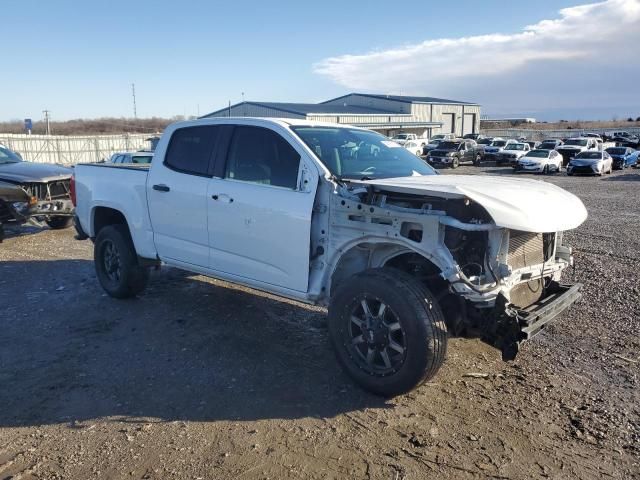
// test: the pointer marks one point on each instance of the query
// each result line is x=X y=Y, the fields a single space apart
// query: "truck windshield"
x=401 y=136
x=498 y=143
x=515 y=146
x=7 y=156
x=577 y=141
x=361 y=154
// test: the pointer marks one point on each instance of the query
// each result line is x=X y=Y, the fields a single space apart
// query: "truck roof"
x=283 y=122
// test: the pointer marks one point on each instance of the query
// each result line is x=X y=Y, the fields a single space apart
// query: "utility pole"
x=46 y=119
x=133 y=92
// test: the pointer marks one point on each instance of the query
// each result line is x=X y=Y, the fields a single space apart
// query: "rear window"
x=191 y=148
x=141 y=159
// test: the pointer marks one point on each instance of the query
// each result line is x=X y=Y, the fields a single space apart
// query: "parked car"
x=496 y=146
x=452 y=153
x=540 y=161
x=573 y=146
x=635 y=156
x=15 y=204
x=473 y=136
x=403 y=138
x=533 y=144
x=432 y=145
x=590 y=163
x=512 y=152
x=550 y=144
x=444 y=136
x=621 y=157
x=482 y=143
x=132 y=157
x=414 y=147
x=339 y=216
x=631 y=141
x=46 y=185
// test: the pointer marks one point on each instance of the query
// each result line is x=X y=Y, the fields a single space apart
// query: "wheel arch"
x=364 y=255
x=102 y=216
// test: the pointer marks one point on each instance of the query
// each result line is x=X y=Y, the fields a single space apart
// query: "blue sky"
x=78 y=59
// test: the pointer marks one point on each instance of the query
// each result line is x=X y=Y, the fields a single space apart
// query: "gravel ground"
x=201 y=379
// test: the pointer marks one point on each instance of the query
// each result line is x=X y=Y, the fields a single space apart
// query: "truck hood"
x=518 y=204
x=24 y=172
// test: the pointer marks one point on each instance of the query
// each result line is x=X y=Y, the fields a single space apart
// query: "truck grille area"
x=529 y=249
x=58 y=190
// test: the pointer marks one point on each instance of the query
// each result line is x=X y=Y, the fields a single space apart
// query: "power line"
x=46 y=119
x=133 y=92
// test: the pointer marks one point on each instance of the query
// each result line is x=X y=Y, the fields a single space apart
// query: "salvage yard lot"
x=200 y=379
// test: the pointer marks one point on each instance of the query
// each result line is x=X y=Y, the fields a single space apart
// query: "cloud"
x=598 y=36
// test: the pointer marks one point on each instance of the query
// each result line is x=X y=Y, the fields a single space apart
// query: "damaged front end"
x=34 y=202
x=493 y=282
x=49 y=199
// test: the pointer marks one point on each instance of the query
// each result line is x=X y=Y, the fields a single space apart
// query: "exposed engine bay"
x=486 y=277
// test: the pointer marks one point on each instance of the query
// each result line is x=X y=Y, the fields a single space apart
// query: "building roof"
x=405 y=99
x=311 y=108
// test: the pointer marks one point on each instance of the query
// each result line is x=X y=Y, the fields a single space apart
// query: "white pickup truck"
x=403 y=138
x=343 y=217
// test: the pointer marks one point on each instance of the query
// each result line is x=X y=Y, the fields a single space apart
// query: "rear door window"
x=191 y=148
x=260 y=155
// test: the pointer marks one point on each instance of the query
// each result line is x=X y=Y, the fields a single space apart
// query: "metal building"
x=388 y=114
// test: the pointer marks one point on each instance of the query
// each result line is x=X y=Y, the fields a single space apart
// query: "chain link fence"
x=69 y=150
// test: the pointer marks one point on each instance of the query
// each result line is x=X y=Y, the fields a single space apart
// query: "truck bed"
x=118 y=187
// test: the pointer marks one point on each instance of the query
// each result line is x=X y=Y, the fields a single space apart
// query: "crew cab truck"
x=451 y=153
x=339 y=216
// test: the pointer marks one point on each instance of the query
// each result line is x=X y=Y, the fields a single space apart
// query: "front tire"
x=387 y=330
x=58 y=223
x=455 y=162
x=116 y=263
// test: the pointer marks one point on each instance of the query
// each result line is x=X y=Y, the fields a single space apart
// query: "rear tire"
x=478 y=160
x=116 y=263
x=392 y=352
x=58 y=223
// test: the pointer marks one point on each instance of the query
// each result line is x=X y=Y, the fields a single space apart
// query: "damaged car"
x=342 y=217
x=46 y=186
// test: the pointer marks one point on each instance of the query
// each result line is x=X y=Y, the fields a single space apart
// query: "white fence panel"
x=533 y=134
x=69 y=150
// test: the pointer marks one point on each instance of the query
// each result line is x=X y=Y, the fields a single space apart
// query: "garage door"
x=448 y=122
x=469 y=123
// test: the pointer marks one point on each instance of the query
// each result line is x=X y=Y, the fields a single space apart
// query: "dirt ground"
x=198 y=379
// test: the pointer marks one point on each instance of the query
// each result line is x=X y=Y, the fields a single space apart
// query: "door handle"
x=161 y=188
x=223 y=197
